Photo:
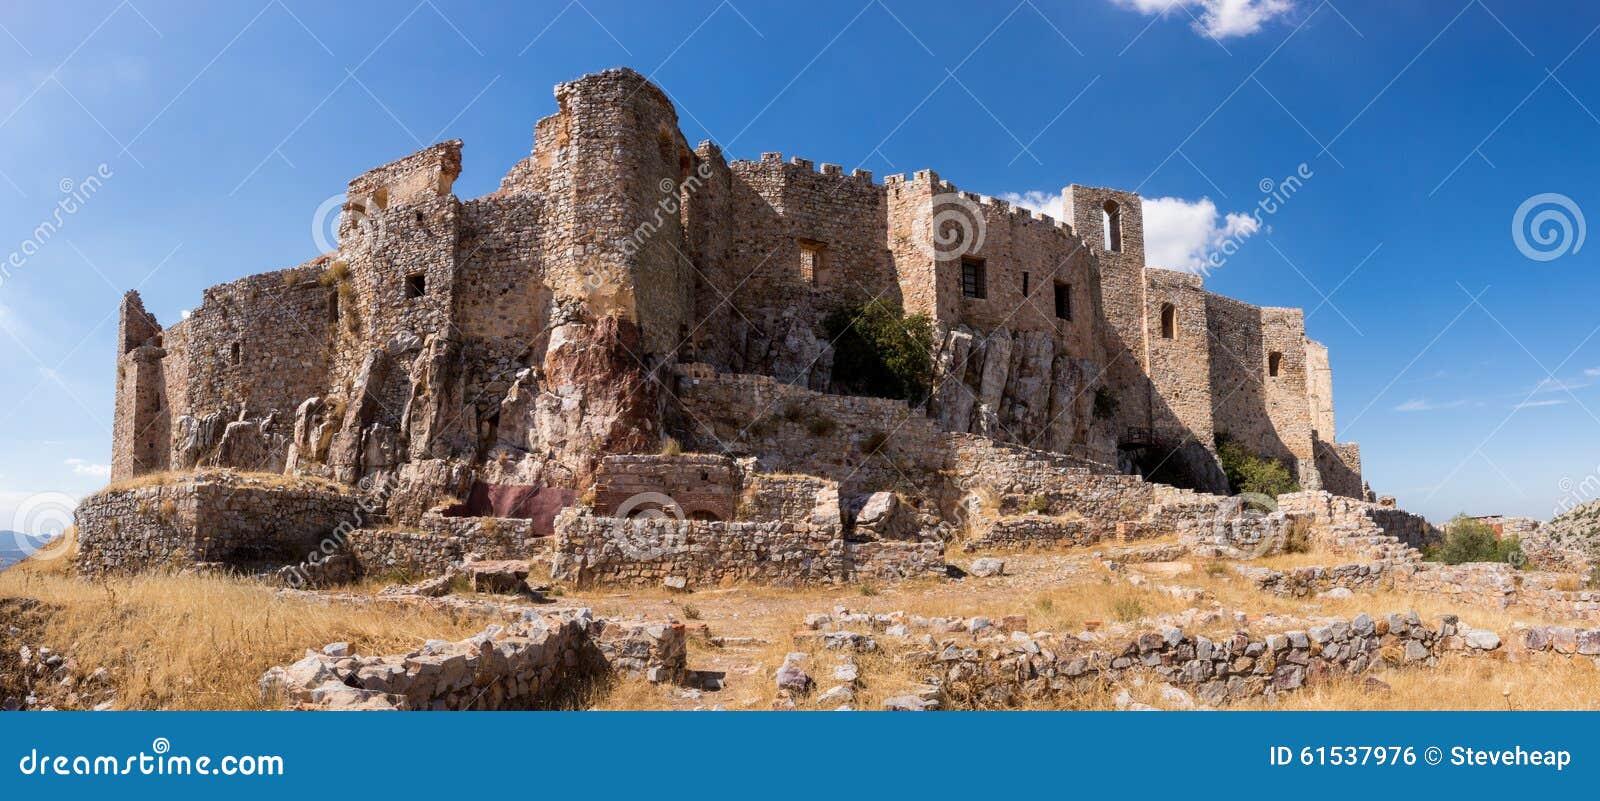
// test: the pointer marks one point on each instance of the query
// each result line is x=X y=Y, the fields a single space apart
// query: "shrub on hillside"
x=881 y=351
x=1248 y=472
x=1469 y=540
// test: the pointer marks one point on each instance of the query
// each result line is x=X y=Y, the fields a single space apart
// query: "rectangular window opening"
x=972 y=279
x=1064 y=301
x=416 y=286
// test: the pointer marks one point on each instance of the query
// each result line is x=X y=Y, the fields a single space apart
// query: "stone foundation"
x=232 y=520
x=591 y=549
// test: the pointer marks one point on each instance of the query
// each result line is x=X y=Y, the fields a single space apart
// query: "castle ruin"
x=622 y=288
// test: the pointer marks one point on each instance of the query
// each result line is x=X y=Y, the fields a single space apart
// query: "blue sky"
x=1469 y=372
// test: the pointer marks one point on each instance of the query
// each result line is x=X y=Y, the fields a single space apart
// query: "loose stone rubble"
x=541 y=661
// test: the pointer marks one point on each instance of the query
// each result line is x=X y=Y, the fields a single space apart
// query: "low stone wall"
x=539 y=662
x=234 y=520
x=591 y=550
x=441 y=542
x=1499 y=585
x=1563 y=640
x=1232 y=532
x=1301 y=582
x=1029 y=531
x=1012 y=670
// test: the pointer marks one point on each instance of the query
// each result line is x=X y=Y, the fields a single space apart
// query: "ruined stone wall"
x=1180 y=364
x=1122 y=289
x=1269 y=415
x=790 y=497
x=694 y=485
x=801 y=244
x=1339 y=465
x=591 y=550
x=516 y=339
x=1319 y=390
x=1345 y=523
x=546 y=661
x=237 y=522
x=609 y=166
x=909 y=212
x=440 y=542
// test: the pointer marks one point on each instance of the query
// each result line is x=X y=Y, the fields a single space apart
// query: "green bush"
x=1469 y=540
x=1248 y=472
x=880 y=351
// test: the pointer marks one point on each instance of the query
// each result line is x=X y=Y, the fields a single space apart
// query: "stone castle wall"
x=518 y=338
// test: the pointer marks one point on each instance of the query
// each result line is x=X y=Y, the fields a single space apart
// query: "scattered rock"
x=986 y=567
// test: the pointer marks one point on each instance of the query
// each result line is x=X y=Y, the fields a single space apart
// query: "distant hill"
x=14 y=548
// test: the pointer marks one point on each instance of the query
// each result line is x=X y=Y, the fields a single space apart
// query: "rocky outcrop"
x=1016 y=388
x=594 y=396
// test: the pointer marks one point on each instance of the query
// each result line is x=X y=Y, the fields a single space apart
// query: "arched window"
x=1169 y=321
x=1274 y=359
x=1113 y=225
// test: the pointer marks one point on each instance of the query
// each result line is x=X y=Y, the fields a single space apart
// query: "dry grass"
x=175 y=477
x=201 y=642
x=1458 y=682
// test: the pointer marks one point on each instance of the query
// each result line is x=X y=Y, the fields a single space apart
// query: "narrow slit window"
x=235 y=356
x=1169 y=321
x=1113 y=224
x=1274 y=361
x=1064 y=301
x=811 y=254
x=1024 y=284
x=416 y=286
x=972 y=279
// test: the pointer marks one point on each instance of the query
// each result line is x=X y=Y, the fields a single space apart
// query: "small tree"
x=1248 y=472
x=879 y=350
x=1469 y=540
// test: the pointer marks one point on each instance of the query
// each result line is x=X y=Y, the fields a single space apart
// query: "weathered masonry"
x=499 y=347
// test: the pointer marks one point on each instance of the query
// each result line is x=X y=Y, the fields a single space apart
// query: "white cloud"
x=83 y=467
x=1218 y=19
x=1425 y=405
x=185 y=313
x=1035 y=200
x=1561 y=384
x=1539 y=404
x=1180 y=234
